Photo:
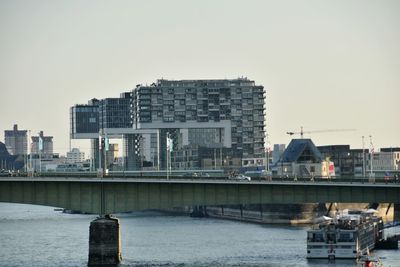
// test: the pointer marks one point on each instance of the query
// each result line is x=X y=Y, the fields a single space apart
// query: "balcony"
x=258 y=140
x=248 y=140
x=213 y=108
x=202 y=113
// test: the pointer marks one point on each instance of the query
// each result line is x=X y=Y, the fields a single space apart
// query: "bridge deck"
x=112 y=195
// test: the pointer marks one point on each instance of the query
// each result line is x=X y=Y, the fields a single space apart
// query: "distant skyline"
x=324 y=64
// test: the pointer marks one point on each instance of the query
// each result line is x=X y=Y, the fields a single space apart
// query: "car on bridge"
x=5 y=173
x=241 y=177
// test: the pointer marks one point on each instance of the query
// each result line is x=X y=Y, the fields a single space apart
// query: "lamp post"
x=267 y=153
x=30 y=154
x=168 y=149
x=371 y=155
x=363 y=151
x=158 y=150
x=40 y=152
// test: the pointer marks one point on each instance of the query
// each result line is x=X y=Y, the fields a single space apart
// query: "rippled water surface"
x=39 y=236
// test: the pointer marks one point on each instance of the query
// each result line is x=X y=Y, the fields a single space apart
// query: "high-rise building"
x=225 y=116
x=209 y=113
x=16 y=141
x=42 y=144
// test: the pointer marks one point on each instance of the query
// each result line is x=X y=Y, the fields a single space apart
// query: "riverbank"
x=292 y=214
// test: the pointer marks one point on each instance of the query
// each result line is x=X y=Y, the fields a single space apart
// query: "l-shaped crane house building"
x=208 y=123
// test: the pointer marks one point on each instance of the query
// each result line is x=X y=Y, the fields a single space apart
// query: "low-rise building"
x=388 y=159
x=348 y=162
x=75 y=156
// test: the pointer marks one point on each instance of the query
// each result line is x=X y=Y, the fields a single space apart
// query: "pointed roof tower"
x=301 y=151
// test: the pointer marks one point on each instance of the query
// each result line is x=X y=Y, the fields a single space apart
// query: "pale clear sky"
x=325 y=64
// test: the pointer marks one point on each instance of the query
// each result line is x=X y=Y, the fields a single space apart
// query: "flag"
x=170 y=144
x=107 y=144
x=40 y=143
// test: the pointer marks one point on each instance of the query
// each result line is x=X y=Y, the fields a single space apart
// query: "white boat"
x=350 y=234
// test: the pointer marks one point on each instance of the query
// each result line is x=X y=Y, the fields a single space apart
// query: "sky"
x=324 y=64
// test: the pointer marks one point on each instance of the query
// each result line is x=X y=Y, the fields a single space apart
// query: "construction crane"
x=319 y=131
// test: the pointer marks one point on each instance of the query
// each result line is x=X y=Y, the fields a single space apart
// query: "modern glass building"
x=115 y=112
x=84 y=120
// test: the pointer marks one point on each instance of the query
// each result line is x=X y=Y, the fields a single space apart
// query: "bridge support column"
x=94 y=149
x=396 y=212
x=104 y=242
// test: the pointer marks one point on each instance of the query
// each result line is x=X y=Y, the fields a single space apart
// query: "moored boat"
x=350 y=234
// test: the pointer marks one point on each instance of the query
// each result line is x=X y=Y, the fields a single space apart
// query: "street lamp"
x=363 y=151
x=168 y=154
x=40 y=146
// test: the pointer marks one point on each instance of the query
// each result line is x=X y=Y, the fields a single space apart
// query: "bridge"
x=115 y=195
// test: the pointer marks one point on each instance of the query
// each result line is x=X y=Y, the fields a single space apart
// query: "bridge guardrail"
x=186 y=176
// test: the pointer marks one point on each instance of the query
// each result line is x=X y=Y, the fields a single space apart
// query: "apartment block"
x=210 y=113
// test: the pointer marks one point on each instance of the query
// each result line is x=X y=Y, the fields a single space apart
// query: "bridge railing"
x=209 y=176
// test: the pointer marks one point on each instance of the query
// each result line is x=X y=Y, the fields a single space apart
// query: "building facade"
x=211 y=114
x=348 y=162
x=84 y=120
x=208 y=113
x=115 y=112
x=75 y=156
x=388 y=159
x=277 y=152
x=42 y=144
x=16 y=141
x=303 y=159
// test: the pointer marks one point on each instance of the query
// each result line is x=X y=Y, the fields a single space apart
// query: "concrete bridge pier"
x=199 y=212
x=396 y=212
x=104 y=242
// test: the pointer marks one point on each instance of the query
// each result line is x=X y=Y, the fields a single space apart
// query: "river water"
x=39 y=236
